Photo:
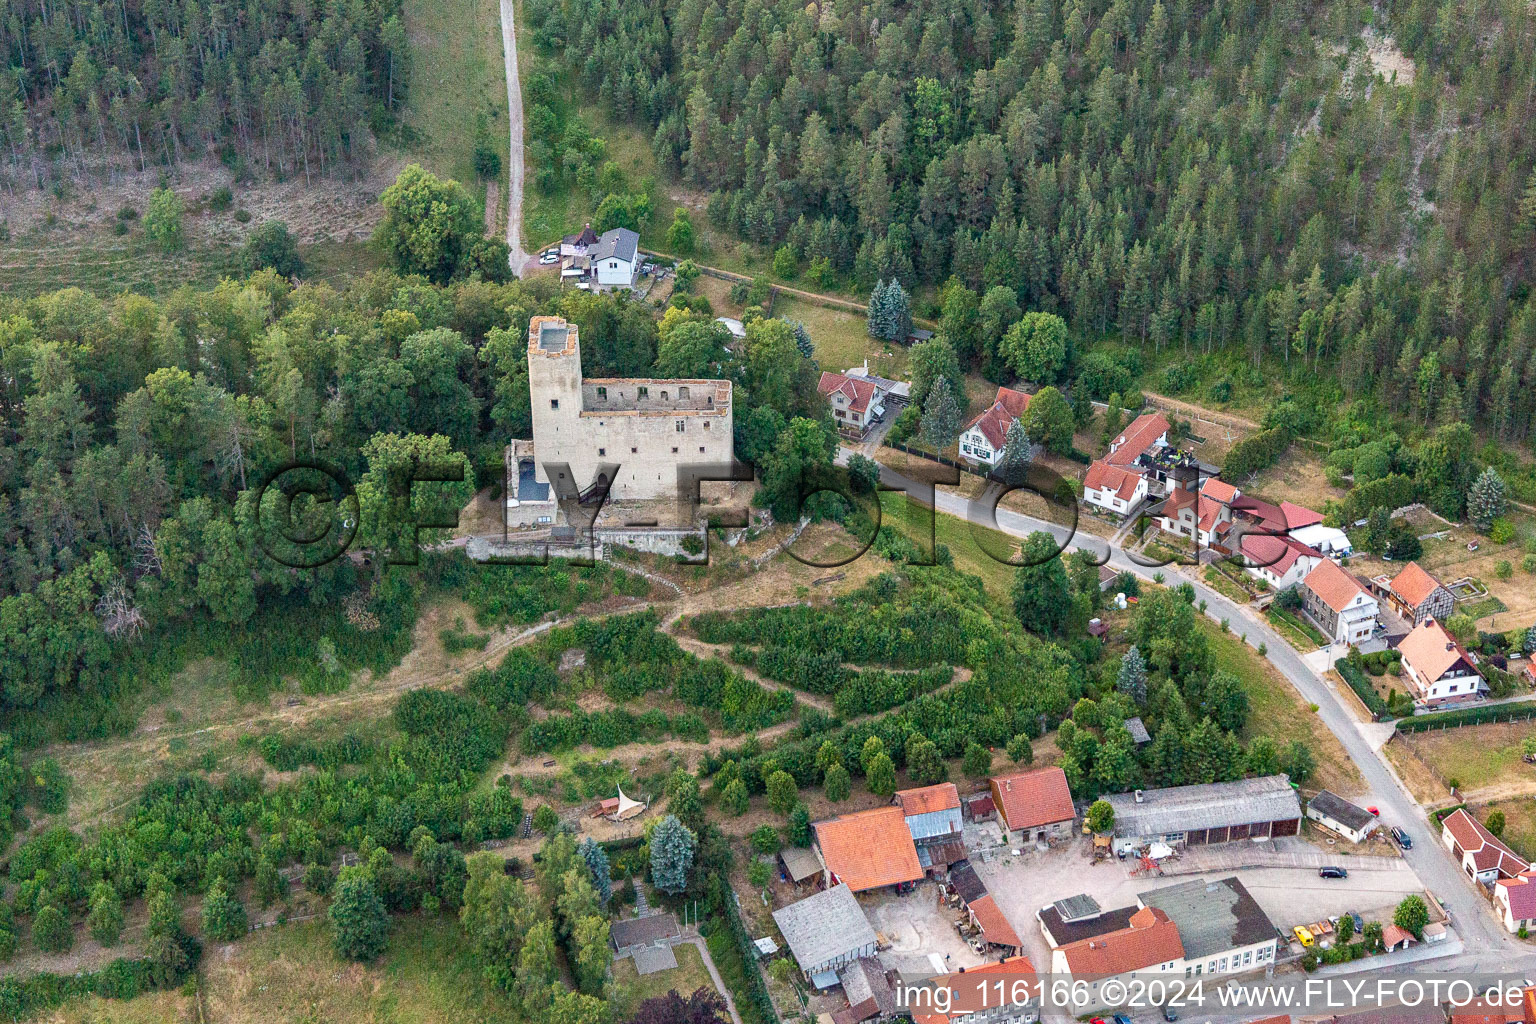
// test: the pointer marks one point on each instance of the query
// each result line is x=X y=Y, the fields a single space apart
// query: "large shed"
x=1219 y=812
x=1334 y=812
x=825 y=932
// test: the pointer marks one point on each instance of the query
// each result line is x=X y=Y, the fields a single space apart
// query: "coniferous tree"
x=941 y=416
x=672 y=849
x=1487 y=499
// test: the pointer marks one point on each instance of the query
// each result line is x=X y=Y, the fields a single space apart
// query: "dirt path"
x=519 y=256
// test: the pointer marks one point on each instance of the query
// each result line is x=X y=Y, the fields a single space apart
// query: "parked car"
x=1403 y=838
x=1121 y=1018
x=1332 y=871
x=1359 y=922
x=1303 y=934
x=1169 y=1014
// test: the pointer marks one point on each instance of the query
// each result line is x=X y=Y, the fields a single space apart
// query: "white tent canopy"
x=627 y=808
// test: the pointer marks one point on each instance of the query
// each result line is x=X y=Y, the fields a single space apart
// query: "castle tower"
x=554 y=392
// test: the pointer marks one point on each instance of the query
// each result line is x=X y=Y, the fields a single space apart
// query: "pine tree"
x=800 y=825
x=223 y=914
x=1487 y=499
x=941 y=416
x=1132 y=679
x=900 y=313
x=105 y=919
x=359 y=922
x=879 y=311
x=803 y=339
x=836 y=783
x=1018 y=452
x=597 y=863
x=672 y=849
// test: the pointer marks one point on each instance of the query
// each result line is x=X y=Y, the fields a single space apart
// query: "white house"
x=983 y=438
x=1339 y=815
x=1339 y=604
x=1116 y=489
x=1282 y=562
x=1483 y=858
x=1437 y=667
x=614 y=258
x=1516 y=899
x=856 y=403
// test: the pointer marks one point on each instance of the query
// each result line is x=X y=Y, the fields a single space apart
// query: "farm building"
x=867 y=849
x=1207 y=814
x=1335 y=813
x=933 y=817
x=1035 y=805
x=825 y=932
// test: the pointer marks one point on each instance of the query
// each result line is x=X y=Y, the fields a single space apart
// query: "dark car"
x=1332 y=871
x=1121 y=1018
x=1359 y=923
x=1403 y=838
x=1169 y=1015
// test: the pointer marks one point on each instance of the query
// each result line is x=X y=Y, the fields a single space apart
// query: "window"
x=663 y=396
x=681 y=426
x=554 y=403
x=674 y=449
x=706 y=424
x=701 y=449
x=602 y=393
x=602 y=451
x=632 y=451
x=645 y=392
x=682 y=393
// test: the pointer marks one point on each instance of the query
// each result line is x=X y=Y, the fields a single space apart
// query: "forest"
x=1231 y=180
x=284 y=86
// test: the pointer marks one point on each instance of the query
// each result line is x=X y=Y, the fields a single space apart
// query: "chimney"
x=1139 y=798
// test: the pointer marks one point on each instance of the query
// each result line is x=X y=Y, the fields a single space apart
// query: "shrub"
x=1502 y=531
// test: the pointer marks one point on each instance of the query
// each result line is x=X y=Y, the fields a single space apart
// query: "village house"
x=983 y=438
x=1516 y=900
x=866 y=850
x=1437 y=668
x=1479 y=852
x=1416 y=595
x=933 y=818
x=1035 y=805
x=1125 y=475
x=971 y=996
x=1306 y=527
x=1339 y=815
x=1192 y=929
x=1218 y=812
x=856 y=404
x=1339 y=605
x=1282 y=562
x=609 y=260
x=825 y=932
x=1199 y=517
x=1113 y=488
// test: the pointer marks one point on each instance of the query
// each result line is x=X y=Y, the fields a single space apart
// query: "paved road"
x=1429 y=859
x=518 y=256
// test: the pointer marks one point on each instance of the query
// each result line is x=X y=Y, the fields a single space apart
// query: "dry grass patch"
x=688 y=976
x=1483 y=759
x=1298 y=477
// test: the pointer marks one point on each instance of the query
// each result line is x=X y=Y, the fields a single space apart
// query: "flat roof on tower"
x=552 y=337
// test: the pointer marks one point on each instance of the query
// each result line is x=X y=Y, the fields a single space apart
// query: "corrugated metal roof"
x=1217 y=805
x=935 y=823
x=1212 y=916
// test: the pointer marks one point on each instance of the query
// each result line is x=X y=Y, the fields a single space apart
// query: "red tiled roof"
x=1332 y=585
x=1297 y=516
x=1392 y=935
x=1432 y=651
x=927 y=799
x=1030 y=799
x=858 y=392
x=994 y=421
x=869 y=849
x=1102 y=475
x=1210 y=513
x=1277 y=554
x=1137 y=438
x=1522 y=896
x=1487 y=852
x=971 y=990
x=1150 y=938
x=1481 y=1012
x=1177 y=500
x=1260 y=511
x=994 y=926
x=1218 y=490
x=1413 y=585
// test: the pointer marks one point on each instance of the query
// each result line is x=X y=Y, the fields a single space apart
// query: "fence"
x=1521 y=712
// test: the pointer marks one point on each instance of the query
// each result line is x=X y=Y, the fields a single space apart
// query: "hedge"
x=1362 y=687
x=743 y=963
x=23 y=998
x=1256 y=452
x=1468 y=716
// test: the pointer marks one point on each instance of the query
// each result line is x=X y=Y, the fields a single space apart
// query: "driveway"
x=517 y=257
